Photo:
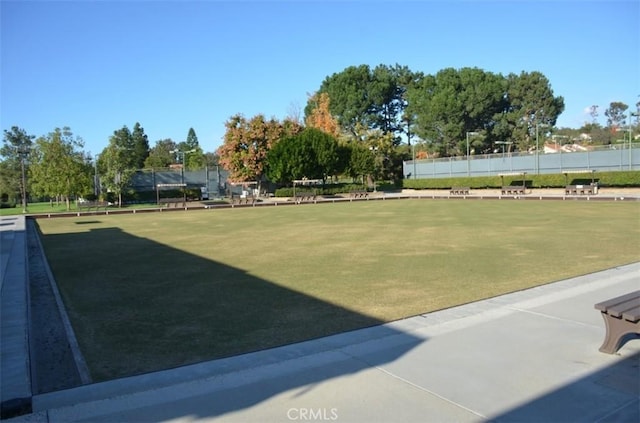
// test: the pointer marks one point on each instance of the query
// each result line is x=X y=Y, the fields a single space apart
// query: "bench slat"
x=633 y=314
x=605 y=305
x=622 y=317
x=619 y=309
x=460 y=190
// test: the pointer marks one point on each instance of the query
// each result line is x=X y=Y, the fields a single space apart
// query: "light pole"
x=624 y=141
x=631 y=114
x=23 y=153
x=375 y=156
x=413 y=146
x=538 y=125
x=503 y=143
x=96 y=183
x=413 y=151
x=469 y=151
x=178 y=152
x=560 y=137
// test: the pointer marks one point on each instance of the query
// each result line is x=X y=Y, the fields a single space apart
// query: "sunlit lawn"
x=45 y=207
x=61 y=207
x=157 y=290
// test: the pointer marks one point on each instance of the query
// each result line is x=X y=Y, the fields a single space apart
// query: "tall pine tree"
x=140 y=146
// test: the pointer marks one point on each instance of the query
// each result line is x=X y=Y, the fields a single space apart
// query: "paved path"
x=15 y=372
x=527 y=356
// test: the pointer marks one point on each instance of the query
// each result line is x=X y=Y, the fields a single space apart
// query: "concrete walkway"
x=527 y=356
x=15 y=372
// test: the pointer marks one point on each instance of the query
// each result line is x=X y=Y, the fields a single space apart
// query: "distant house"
x=584 y=137
x=552 y=147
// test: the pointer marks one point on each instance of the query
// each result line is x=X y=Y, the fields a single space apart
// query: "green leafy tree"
x=361 y=161
x=15 y=152
x=212 y=159
x=382 y=149
x=311 y=154
x=448 y=105
x=326 y=151
x=387 y=91
x=247 y=143
x=348 y=93
x=530 y=103
x=117 y=163
x=616 y=116
x=59 y=167
x=453 y=102
x=289 y=160
x=434 y=106
x=363 y=98
x=192 y=154
x=160 y=155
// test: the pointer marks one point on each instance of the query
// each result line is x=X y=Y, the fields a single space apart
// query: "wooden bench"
x=514 y=190
x=579 y=190
x=304 y=196
x=621 y=317
x=359 y=194
x=88 y=205
x=459 y=191
x=242 y=200
x=167 y=202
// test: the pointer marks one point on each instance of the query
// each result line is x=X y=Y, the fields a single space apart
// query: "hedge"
x=329 y=189
x=622 y=179
x=151 y=196
x=7 y=205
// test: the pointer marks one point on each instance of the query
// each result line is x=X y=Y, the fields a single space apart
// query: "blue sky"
x=98 y=65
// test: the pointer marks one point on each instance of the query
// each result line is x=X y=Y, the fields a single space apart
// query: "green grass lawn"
x=158 y=290
x=47 y=207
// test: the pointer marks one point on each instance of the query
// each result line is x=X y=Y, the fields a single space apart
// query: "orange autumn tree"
x=247 y=142
x=320 y=117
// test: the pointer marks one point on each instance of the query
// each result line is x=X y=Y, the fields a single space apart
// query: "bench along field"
x=152 y=291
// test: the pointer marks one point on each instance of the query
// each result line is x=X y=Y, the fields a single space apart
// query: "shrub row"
x=622 y=179
x=152 y=196
x=329 y=189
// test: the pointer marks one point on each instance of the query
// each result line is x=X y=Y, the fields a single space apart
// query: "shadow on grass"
x=138 y=306
x=584 y=181
x=527 y=183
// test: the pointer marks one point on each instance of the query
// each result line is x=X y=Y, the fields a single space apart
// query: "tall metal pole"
x=538 y=125
x=184 y=190
x=469 y=152
x=537 y=152
x=413 y=148
x=630 y=155
x=96 y=182
x=468 y=164
x=178 y=152
x=24 y=183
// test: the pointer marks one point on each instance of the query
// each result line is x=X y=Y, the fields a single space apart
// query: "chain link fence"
x=606 y=159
